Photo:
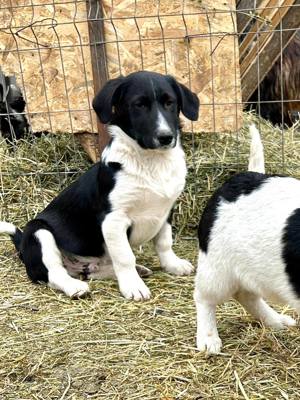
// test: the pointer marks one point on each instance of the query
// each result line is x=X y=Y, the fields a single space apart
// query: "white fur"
x=162 y=125
x=147 y=185
x=256 y=159
x=168 y=259
x=163 y=128
x=114 y=228
x=7 y=227
x=58 y=278
x=244 y=258
x=145 y=191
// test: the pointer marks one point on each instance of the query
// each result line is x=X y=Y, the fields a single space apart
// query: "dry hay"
x=104 y=347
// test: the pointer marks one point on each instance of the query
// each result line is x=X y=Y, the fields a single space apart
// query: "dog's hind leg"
x=58 y=277
x=256 y=306
x=108 y=272
x=43 y=261
x=95 y=267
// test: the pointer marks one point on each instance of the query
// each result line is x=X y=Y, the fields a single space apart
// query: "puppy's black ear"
x=188 y=101
x=105 y=100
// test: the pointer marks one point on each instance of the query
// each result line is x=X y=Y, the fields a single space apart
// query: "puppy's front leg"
x=114 y=228
x=168 y=259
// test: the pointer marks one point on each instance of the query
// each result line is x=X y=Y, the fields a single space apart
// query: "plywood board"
x=190 y=40
x=47 y=47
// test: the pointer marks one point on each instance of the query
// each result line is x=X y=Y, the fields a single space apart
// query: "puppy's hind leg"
x=256 y=306
x=108 y=272
x=44 y=263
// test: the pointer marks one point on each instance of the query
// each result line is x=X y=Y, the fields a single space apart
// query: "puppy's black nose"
x=165 y=140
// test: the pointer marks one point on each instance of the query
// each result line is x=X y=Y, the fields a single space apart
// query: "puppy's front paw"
x=133 y=287
x=209 y=344
x=178 y=266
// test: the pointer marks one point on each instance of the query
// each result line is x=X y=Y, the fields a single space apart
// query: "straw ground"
x=104 y=347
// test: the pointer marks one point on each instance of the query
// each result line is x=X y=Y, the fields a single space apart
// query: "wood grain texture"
x=196 y=44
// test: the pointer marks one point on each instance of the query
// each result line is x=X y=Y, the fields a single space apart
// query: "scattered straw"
x=104 y=347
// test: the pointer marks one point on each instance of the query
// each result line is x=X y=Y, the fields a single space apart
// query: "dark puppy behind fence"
x=13 y=122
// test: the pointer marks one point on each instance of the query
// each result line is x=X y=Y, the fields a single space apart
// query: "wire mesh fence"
x=234 y=55
x=54 y=55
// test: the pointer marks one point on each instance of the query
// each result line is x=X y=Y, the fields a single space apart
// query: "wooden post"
x=98 y=57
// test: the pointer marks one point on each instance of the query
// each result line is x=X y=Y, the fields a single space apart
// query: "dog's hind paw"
x=76 y=288
x=280 y=322
x=178 y=266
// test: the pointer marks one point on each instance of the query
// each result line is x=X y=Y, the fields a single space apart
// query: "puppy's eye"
x=140 y=106
x=168 y=103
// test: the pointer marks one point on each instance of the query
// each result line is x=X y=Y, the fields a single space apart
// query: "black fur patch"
x=129 y=230
x=291 y=249
x=240 y=184
x=170 y=216
x=76 y=214
x=17 y=239
x=31 y=253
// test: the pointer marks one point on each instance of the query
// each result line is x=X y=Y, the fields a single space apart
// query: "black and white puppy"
x=13 y=122
x=249 y=237
x=122 y=201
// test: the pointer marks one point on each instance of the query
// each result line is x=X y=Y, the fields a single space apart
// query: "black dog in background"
x=13 y=122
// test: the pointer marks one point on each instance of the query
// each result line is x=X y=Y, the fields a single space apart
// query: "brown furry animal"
x=271 y=107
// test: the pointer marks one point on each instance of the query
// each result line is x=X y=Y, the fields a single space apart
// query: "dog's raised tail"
x=14 y=232
x=256 y=158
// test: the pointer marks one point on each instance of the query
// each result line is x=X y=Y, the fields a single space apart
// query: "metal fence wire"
x=54 y=55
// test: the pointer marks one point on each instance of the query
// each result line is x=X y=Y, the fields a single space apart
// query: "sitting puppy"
x=122 y=201
x=249 y=237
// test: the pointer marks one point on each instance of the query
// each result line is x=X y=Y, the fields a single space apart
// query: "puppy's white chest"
x=148 y=214
x=146 y=187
